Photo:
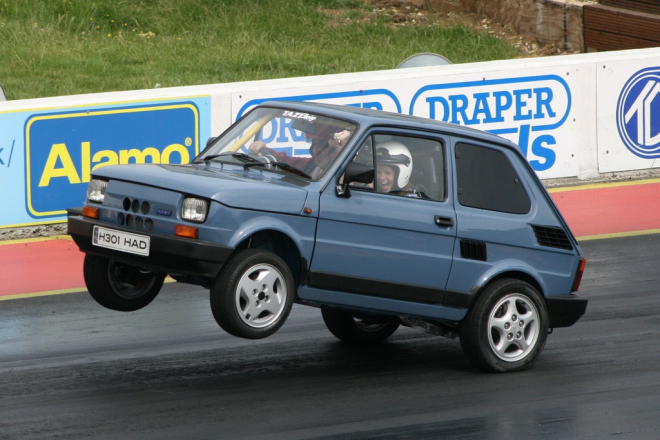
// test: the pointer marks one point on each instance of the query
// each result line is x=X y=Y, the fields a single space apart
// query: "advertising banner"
x=628 y=115
x=534 y=110
x=48 y=155
x=573 y=116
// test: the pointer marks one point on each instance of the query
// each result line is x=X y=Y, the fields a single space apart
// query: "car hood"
x=229 y=185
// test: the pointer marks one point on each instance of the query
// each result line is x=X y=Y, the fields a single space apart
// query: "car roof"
x=369 y=117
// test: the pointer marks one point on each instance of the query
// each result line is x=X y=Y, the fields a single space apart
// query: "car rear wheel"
x=507 y=327
x=119 y=286
x=253 y=294
x=358 y=329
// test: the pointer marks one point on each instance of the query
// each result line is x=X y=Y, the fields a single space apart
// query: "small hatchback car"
x=379 y=219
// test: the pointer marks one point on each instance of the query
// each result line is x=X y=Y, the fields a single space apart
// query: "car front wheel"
x=119 y=286
x=358 y=329
x=253 y=294
x=507 y=327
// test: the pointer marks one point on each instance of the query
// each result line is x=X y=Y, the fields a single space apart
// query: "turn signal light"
x=578 y=275
x=185 y=231
x=91 y=212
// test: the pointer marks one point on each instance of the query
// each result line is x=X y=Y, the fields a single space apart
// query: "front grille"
x=135 y=221
x=552 y=237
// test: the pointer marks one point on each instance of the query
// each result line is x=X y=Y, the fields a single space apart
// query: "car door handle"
x=444 y=221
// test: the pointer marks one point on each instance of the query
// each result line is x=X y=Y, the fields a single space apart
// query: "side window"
x=487 y=180
x=405 y=166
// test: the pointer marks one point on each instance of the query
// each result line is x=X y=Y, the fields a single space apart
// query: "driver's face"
x=385 y=177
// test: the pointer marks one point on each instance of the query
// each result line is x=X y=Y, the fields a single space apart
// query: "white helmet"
x=396 y=155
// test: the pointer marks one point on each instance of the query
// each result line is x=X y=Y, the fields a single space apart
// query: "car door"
x=398 y=244
x=498 y=219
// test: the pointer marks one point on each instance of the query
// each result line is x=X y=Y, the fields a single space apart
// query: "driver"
x=324 y=148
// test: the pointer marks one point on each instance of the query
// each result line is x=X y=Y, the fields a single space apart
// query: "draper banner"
x=629 y=115
x=48 y=156
x=534 y=110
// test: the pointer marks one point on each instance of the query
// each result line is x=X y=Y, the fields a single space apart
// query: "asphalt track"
x=71 y=369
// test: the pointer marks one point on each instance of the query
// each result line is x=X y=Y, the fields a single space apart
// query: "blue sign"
x=378 y=99
x=638 y=113
x=526 y=109
x=63 y=149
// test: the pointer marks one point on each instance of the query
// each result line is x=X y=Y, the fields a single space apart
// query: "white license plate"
x=121 y=241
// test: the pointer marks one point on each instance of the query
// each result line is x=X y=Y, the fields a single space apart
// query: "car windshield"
x=301 y=143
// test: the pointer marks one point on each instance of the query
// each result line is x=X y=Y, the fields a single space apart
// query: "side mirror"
x=3 y=97
x=355 y=172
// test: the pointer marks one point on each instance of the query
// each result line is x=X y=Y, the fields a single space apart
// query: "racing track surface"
x=71 y=369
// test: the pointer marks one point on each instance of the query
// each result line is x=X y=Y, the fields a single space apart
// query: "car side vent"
x=473 y=250
x=552 y=237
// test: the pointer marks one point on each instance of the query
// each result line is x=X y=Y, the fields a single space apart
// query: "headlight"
x=96 y=190
x=194 y=209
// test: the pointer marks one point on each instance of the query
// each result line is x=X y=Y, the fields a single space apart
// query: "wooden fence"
x=621 y=24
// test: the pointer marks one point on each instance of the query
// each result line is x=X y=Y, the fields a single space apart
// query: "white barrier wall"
x=574 y=116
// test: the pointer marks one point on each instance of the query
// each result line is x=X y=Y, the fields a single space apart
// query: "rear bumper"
x=167 y=254
x=564 y=311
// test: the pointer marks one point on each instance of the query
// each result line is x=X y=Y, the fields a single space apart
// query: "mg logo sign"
x=638 y=113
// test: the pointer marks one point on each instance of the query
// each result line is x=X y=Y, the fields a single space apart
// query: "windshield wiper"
x=245 y=157
x=240 y=156
x=253 y=162
x=282 y=165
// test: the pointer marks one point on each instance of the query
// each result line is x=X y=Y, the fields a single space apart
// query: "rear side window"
x=487 y=180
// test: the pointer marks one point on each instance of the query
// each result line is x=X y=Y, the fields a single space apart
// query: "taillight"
x=578 y=275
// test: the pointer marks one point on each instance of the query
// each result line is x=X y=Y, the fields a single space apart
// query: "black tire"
x=253 y=294
x=119 y=286
x=506 y=328
x=358 y=329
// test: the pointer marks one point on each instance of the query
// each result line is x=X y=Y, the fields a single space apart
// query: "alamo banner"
x=52 y=154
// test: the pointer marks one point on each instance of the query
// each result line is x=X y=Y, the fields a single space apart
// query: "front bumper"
x=564 y=311
x=167 y=254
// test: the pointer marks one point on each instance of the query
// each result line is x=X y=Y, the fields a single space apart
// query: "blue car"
x=379 y=219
